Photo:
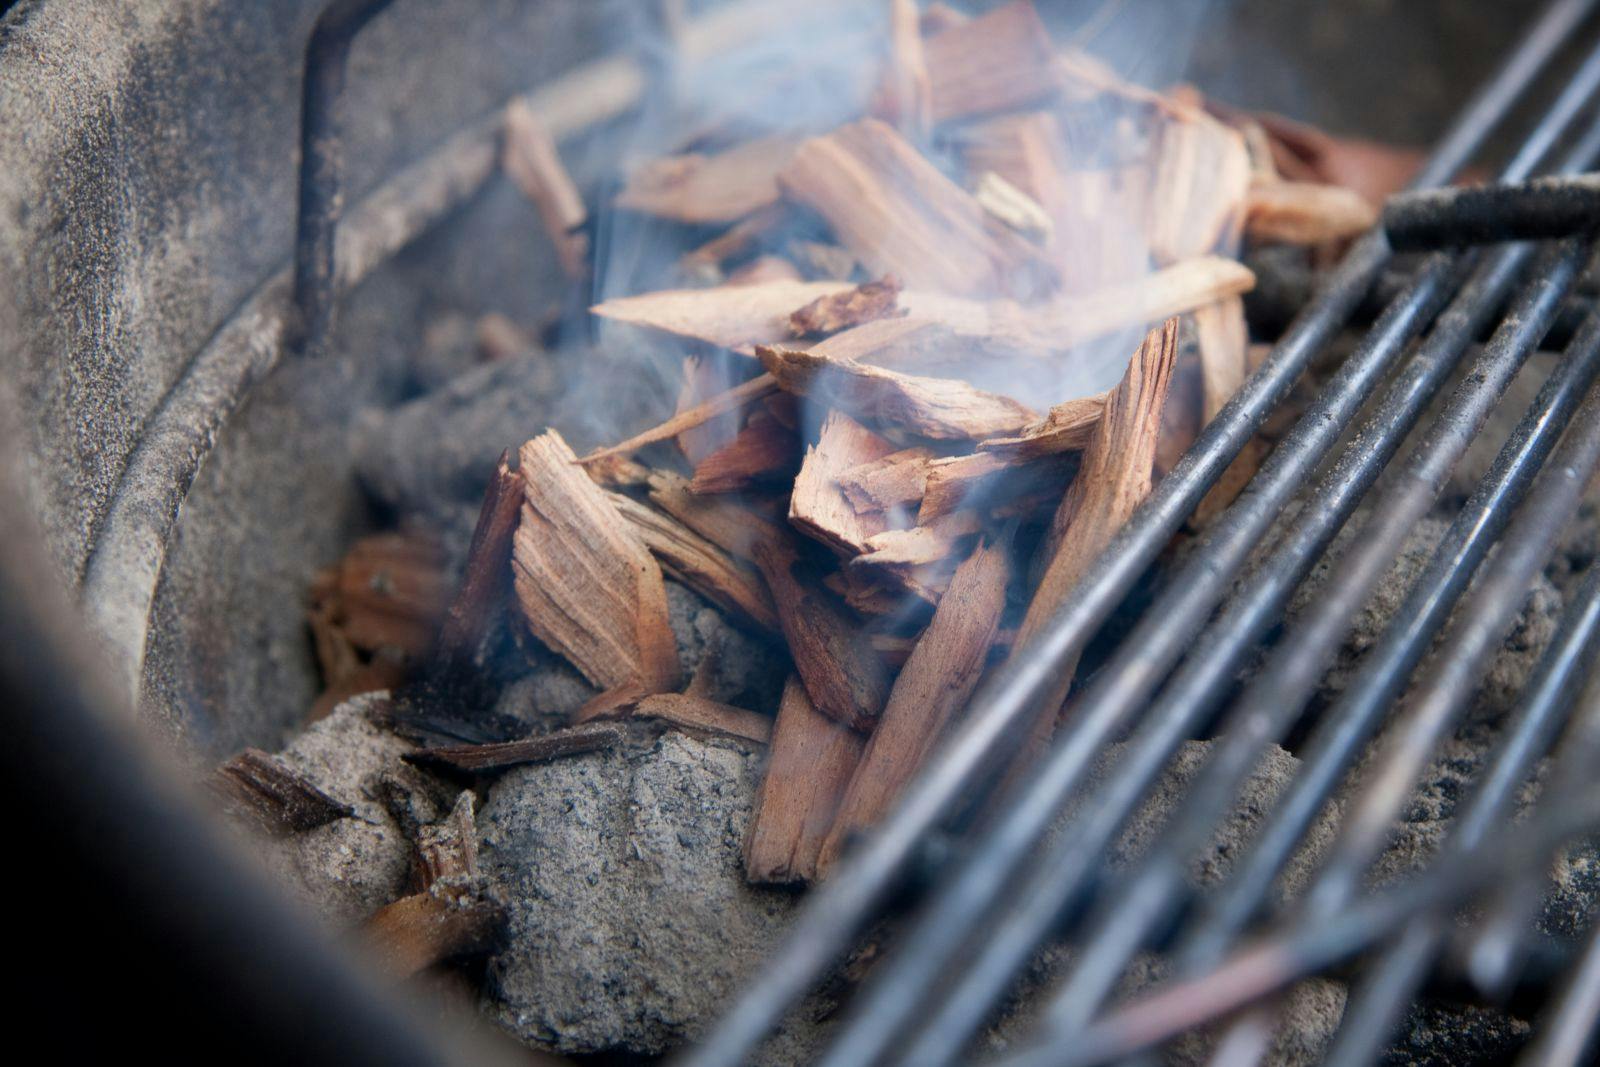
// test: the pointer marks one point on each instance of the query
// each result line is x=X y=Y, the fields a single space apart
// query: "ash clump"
x=630 y=923
x=349 y=868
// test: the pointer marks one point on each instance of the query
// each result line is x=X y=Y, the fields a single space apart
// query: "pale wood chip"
x=818 y=506
x=702 y=189
x=531 y=160
x=588 y=587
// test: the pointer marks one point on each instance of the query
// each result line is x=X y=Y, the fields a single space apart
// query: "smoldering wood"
x=933 y=687
x=1200 y=187
x=424 y=929
x=818 y=506
x=487 y=574
x=700 y=564
x=499 y=755
x=721 y=187
x=867 y=302
x=764 y=451
x=257 y=788
x=735 y=317
x=982 y=478
x=699 y=715
x=1000 y=61
x=1223 y=339
x=587 y=586
x=904 y=98
x=919 y=545
x=810 y=760
x=892 y=481
x=843 y=677
x=899 y=215
x=937 y=408
x=388 y=592
x=1066 y=427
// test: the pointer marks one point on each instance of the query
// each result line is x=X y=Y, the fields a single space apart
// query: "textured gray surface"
x=631 y=923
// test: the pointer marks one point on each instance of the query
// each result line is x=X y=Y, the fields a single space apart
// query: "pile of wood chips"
x=862 y=466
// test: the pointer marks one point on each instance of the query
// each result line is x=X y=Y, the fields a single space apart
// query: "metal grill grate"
x=1003 y=892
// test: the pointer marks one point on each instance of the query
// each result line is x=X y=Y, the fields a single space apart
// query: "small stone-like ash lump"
x=630 y=922
x=349 y=868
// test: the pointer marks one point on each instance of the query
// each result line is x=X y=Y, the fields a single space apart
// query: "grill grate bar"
x=1547 y=702
x=1486 y=613
x=839 y=909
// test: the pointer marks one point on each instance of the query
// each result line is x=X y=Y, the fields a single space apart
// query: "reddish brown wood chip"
x=497 y=756
x=277 y=800
x=867 y=302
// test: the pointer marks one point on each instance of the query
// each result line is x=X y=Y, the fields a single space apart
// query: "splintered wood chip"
x=810 y=762
x=818 y=506
x=938 y=408
x=256 y=786
x=588 y=587
x=700 y=188
x=736 y=317
x=899 y=215
x=498 y=755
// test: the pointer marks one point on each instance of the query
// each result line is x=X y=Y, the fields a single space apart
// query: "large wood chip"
x=531 y=160
x=937 y=408
x=1066 y=427
x=867 y=302
x=588 y=587
x=732 y=525
x=260 y=789
x=818 y=506
x=1202 y=177
x=736 y=317
x=487 y=575
x=1001 y=61
x=899 y=215
x=1112 y=482
x=844 y=677
x=700 y=564
x=810 y=762
x=702 y=189
x=932 y=689
x=1306 y=213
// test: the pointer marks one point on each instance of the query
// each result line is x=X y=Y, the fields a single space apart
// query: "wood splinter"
x=499 y=755
x=261 y=789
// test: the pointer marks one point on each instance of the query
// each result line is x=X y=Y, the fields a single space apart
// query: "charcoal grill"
x=985 y=895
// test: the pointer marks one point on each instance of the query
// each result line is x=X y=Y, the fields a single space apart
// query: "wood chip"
x=736 y=317
x=388 y=592
x=765 y=269
x=810 y=762
x=699 y=715
x=531 y=160
x=1223 y=339
x=893 y=481
x=729 y=524
x=899 y=215
x=418 y=931
x=919 y=545
x=982 y=479
x=700 y=564
x=1066 y=427
x=497 y=756
x=765 y=451
x=487 y=575
x=905 y=95
x=937 y=408
x=1202 y=178
x=1001 y=61
x=867 y=302
x=932 y=689
x=818 y=506
x=845 y=679
x=741 y=239
x=1305 y=213
x=258 y=788
x=703 y=189
x=1013 y=208
x=1113 y=481
x=588 y=587
x=447 y=851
